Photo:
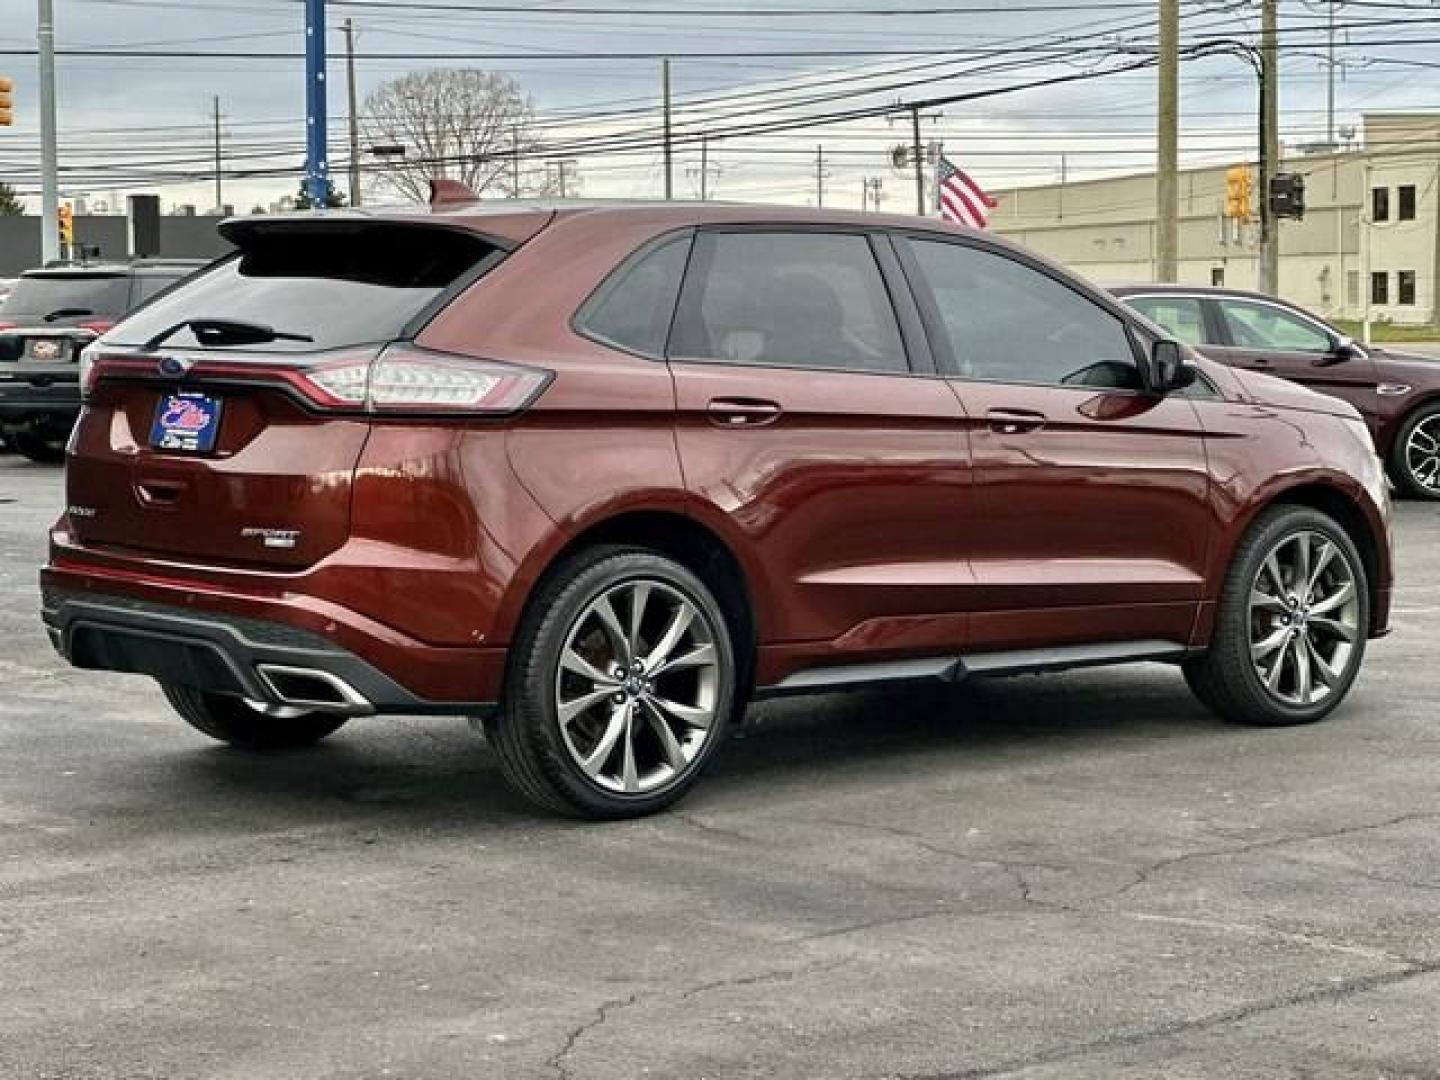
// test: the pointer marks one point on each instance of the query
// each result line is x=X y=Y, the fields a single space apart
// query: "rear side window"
x=1263 y=326
x=1180 y=315
x=339 y=286
x=38 y=295
x=1004 y=321
x=633 y=308
x=800 y=299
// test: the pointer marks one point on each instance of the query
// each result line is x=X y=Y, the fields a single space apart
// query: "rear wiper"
x=225 y=332
x=67 y=313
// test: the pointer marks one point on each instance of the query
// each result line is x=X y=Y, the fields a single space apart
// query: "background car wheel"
x=621 y=684
x=1292 y=624
x=38 y=448
x=1415 y=457
x=239 y=723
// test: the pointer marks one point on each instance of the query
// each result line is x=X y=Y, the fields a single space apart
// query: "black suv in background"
x=48 y=317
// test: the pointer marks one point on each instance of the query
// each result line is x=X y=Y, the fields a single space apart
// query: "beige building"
x=1369 y=231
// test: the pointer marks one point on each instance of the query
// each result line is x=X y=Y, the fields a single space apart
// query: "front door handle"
x=743 y=412
x=1014 y=421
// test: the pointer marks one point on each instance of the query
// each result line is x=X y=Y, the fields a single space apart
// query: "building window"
x=1405 y=287
x=1352 y=288
x=1406 y=210
x=1217 y=276
x=1380 y=204
x=1379 y=287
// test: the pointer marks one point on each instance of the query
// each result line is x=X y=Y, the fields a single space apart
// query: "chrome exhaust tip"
x=312 y=690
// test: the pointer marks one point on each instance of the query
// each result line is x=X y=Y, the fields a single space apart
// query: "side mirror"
x=1169 y=370
x=1345 y=348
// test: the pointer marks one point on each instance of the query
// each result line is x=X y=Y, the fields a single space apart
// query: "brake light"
x=404 y=379
x=8 y=325
x=89 y=371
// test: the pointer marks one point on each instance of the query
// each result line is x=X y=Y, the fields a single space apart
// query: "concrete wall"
x=180 y=238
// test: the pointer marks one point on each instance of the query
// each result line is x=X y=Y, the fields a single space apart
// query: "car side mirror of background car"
x=1169 y=369
x=1343 y=349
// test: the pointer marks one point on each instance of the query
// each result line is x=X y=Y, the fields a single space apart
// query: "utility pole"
x=1330 y=79
x=219 y=194
x=354 y=118
x=704 y=168
x=515 y=161
x=1269 y=262
x=669 y=150
x=919 y=160
x=820 y=175
x=317 y=164
x=1167 y=188
x=49 y=164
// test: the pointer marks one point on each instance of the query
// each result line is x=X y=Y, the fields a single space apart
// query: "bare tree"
x=459 y=123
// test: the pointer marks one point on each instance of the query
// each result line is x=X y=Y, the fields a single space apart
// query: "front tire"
x=237 y=722
x=1292 y=623
x=1414 y=465
x=620 y=687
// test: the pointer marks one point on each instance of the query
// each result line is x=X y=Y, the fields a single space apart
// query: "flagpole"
x=939 y=157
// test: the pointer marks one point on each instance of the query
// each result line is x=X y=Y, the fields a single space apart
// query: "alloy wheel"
x=636 y=687
x=1422 y=453
x=1304 y=618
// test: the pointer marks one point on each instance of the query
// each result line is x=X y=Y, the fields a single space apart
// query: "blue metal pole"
x=317 y=166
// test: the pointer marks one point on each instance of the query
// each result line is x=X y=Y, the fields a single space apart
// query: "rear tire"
x=1286 y=649
x=620 y=686
x=232 y=720
x=1415 y=469
x=38 y=448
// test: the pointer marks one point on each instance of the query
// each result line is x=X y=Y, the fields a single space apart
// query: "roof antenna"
x=446 y=192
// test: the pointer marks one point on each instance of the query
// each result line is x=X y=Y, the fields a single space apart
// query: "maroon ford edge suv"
x=601 y=474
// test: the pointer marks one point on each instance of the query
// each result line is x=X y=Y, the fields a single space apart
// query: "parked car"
x=1397 y=394
x=45 y=321
x=601 y=475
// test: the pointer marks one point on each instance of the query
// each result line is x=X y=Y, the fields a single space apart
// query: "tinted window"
x=1260 y=326
x=1006 y=322
x=341 y=288
x=148 y=284
x=1179 y=315
x=789 y=300
x=633 y=307
x=37 y=295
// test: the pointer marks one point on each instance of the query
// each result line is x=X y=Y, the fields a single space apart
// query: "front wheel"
x=1292 y=623
x=621 y=684
x=1414 y=465
x=250 y=726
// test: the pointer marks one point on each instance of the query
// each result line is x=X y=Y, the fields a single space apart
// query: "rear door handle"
x=1014 y=421
x=743 y=412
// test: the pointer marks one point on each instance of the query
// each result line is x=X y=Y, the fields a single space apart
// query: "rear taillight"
x=8 y=326
x=404 y=379
x=88 y=370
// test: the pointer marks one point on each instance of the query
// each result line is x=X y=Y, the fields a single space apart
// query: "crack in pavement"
x=1331 y=992
x=602 y=1014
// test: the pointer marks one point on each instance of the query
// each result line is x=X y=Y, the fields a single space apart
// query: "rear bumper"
x=192 y=640
x=25 y=404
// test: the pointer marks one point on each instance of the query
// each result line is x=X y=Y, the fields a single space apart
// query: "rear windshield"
x=38 y=295
x=336 y=287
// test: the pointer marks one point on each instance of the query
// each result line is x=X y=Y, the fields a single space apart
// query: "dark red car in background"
x=601 y=474
x=1398 y=395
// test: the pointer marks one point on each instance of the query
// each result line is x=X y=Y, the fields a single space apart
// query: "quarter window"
x=633 y=308
x=809 y=300
x=1179 y=315
x=1006 y=322
x=1262 y=326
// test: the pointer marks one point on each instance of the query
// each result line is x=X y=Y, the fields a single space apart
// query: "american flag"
x=961 y=199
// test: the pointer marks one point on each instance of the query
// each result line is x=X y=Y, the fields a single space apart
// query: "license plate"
x=47 y=350
x=187 y=422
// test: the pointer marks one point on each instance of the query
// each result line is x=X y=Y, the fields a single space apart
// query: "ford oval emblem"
x=175 y=365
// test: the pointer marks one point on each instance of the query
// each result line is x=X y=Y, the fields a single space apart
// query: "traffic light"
x=6 y=102
x=67 y=225
x=1239 y=189
x=1287 y=195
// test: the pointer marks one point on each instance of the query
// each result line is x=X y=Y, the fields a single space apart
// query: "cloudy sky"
x=132 y=123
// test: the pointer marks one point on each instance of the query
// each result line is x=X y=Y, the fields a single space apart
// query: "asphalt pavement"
x=1081 y=875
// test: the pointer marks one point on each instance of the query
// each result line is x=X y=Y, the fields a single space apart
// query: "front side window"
x=1006 y=322
x=633 y=308
x=1262 y=326
x=788 y=299
x=1405 y=287
x=1406 y=210
x=1181 y=316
